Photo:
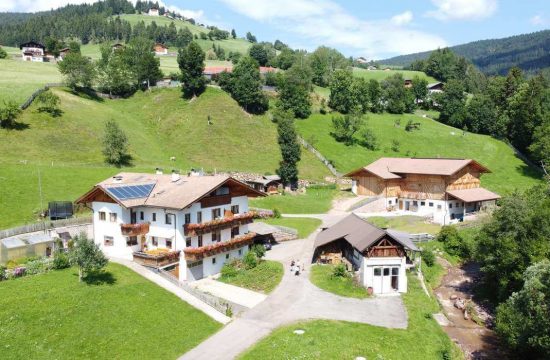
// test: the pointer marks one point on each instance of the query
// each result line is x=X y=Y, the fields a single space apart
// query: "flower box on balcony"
x=198 y=253
x=134 y=229
x=219 y=224
x=156 y=260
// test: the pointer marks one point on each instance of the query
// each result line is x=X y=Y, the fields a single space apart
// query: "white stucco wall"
x=370 y=263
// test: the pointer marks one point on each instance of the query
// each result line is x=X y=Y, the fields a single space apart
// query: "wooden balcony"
x=198 y=253
x=134 y=229
x=156 y=259
x=219 y=224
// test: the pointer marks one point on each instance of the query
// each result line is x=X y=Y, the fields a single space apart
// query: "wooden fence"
x=43 y=226
x=320 y=156
x=31 y=98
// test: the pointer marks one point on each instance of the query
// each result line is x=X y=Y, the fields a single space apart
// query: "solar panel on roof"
x=131 y=191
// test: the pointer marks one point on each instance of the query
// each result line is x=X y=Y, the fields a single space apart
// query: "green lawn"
x=381 y=74
x=314 y=201
x=406 y=223
x=321 y=276
x=305 y=226
x=431 y=140
x=159 y=124
x=423 y=339
x=53 y=316
x=19 y=79
x=263 y=278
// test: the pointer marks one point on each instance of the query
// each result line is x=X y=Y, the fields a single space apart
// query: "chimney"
x=175 y=175
x=117 y=179
x=158 y=171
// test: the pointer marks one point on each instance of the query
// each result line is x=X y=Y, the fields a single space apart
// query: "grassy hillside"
x=383 y=74
x=159 y=124
x=530 y=52
x=236 y=45
x=431 y=140
x=19 y=79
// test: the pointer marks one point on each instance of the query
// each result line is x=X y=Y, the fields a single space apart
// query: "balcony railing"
x=198 y=253
x=134 y=229
x=219 y=224
x=156 y=260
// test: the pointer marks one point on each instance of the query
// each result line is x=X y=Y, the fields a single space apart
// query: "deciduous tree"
x=191 y=64
x=115 y=145
x=87 y=256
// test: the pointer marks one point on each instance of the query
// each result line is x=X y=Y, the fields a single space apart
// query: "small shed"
x=269 y=184
x=12 y=248
x=160 y=49
x=264 y=232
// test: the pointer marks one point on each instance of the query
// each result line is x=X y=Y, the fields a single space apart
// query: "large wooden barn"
x=448 y=189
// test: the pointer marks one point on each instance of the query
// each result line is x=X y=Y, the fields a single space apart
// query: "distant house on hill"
x=160 y=49
x=153 y=12
x=63 y=52
x=379 y=257
x=436 y=87
x=267 y=69
x=32 y=51
x=447 y=190
x=372 y=67
x=269 y=184
x=408 y=83
x=361 y=60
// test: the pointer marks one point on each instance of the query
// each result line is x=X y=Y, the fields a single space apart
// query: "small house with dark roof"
x=436 y=87
x=447 y=190
x=32 y=51
x=379 y=257
x=160 y=49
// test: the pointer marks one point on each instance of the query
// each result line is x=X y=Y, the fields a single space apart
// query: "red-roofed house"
x=447 y=189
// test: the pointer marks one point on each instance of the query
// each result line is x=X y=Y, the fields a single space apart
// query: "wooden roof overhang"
x=236 y=188
x=97 y=193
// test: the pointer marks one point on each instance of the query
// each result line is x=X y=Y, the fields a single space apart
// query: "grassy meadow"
x=304 y=226
x=53 y=316
x=407 y=223
x=422 y=340
x=159 y=124
x=263 y=278
x=314 y=201
x=432 y=139
x=380 y=75
x=321 y=276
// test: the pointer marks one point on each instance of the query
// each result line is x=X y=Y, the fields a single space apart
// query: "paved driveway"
x=296 y=299
x=235 y=294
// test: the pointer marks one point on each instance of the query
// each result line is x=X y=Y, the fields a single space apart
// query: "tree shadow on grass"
x=85 y=93
x=100 y=278
x=16 y=125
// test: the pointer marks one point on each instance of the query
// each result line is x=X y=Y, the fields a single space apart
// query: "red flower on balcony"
x=134 y=229
x=218 y=224
x=197 y=253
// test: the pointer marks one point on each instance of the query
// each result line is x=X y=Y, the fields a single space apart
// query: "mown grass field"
x=159 y=124
x=314 y=201
x=53 y=316
x=383 y=74
x=19 y=79
x=305 y=226
x=263 y=278
x=321 y=276
x=423 y=339
x=432 y=139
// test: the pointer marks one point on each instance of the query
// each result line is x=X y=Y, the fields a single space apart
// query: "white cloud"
x=539 y=20
x=324 y=22
x=462 y=9
x=402 y=19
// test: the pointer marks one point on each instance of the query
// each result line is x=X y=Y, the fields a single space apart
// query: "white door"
x=377 y=280
x=386 y=280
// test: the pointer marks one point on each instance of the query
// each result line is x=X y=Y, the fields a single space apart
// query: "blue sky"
x=374 y=29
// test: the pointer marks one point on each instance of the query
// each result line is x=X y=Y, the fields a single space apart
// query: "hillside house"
x=408 y=83
x=189 y=225
x=361 y=60
x=379 y=257
x=63 y=52
x=448 y=190
x=32 y=51
x=160 y=49
x=268 y=183
x=436 y=87
x=153 y=12
x=117 y=46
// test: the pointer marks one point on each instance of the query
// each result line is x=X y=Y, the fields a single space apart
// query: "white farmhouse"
x=188 y=225
x=32 y=51
x=153 y=12
x=380 y=257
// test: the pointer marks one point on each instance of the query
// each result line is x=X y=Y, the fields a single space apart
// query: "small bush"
x=250 y=260
x=19 y=271
x=60 y=260
x=2 y=273
x=395 y=145
x=455 y=244
x=259 y=251
x=276 y=213
x=340 y=271
x=428 y=257
x=229 y=270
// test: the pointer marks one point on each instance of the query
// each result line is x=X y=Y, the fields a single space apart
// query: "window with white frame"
x=102 y=216
x=108 y=241
x=235 y=209
x=112 y=217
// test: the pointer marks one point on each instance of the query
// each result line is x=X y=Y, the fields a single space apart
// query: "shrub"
x=259 y=251
x=37 y=266
x=453 y=243
x=276 y=213
x=229 y=270
x=250 y=260
x=340 y=271
x=2 y=273
x=395 y=145
x=60 y=260
x=428 y=257
x=19 y=271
